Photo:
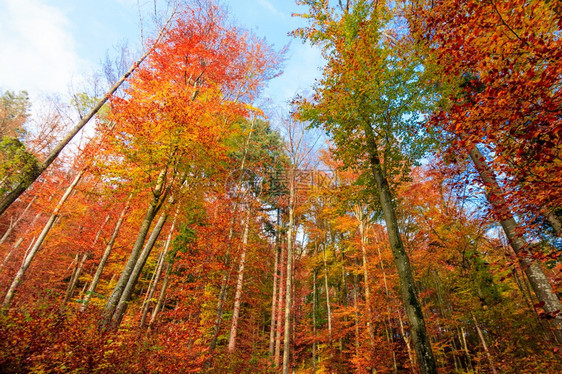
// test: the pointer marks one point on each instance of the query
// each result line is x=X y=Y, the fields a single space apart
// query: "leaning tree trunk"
x=239 y=284
x=48 y=226
x=414 y=312
x=10 y=253
x=152 y=210
x=134 y=276
x=15 y=223
x=22 y=186
x=539 y=282
x=160 y=301
x=74 y=280
x=105 y=256
x=159 y=268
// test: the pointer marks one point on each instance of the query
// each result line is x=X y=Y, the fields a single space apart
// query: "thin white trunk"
x=10 y=253
x=14 y=224
x=239 y=284
x=161 y=296
x=327 y=288
x=289 y=280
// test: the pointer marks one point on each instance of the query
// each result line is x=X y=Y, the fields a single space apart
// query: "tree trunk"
x=539 y=282
x=274 y=292
x=327 y=288
x=159 y=268
x=10 y=253
x=22 y=186
x=280 y=305
x=314 y=321
x=289 y=280
x=134 y=276
x=160 y=301
x=105 y=256
x=74 y=278
x=14 y=224
x=362 y=233
x=239 y=284
x=484 y=345
x=414 y=312
x=151 y=212
x=48 y=226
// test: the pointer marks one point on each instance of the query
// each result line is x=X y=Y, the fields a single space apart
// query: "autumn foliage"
x=190 y=233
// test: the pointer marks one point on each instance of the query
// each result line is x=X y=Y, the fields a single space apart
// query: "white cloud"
x=267 y=5
x=37 y=49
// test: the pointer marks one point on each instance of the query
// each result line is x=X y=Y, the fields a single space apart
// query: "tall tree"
x=369 y=101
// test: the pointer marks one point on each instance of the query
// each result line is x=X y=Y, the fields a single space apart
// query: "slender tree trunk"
x=414 y=312
x=484 y=345
x=48 y=226
x=22 y=186
x=274 y=292
x=134 y=276
x=289 y=280
x=151 y=212
x=10 y=253
x=224 y=289
x=74 y=279
x=356 y=317
x=15 y=223
x=539 y=282
x=314 y=321
x=327 y=288
x=160 y=301
x=239 y=284
x=105 y=256
x=159 y=268
x=362 y=233
x=280 y=305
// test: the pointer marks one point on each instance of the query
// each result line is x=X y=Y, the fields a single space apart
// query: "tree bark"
x=105 y=256
x=48 y=226
x=239 y=284
x=539 y=282
x=414 y=312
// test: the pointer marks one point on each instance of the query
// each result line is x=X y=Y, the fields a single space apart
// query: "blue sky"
x=47 y=46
